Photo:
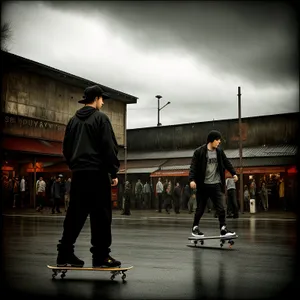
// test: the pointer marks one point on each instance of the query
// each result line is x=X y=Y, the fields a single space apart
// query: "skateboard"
x=114 y=271
x=194 y=240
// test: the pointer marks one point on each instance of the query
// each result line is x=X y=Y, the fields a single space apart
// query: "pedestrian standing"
x=159 y=193
x=127 y=195
x=176 y=197
x=232 y=206
x=67 y=193
x=56 y=195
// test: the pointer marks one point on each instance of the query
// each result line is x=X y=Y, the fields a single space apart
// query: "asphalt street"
x=262 y=264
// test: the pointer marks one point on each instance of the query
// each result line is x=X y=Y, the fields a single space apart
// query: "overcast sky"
x=193 y=53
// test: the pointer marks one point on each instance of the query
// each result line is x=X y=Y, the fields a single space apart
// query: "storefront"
x=279 y=163
x=34 y=120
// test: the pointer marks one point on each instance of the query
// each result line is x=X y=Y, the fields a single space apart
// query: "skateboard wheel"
x=202 y=242
x=112 y=277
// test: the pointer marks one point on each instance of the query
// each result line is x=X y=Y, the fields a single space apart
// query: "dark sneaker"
x=108 y=262
x=196 y=232
x=225 y=232
x=71 y=260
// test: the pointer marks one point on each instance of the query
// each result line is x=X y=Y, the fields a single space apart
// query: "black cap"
x=213 y=135
x=91 y=92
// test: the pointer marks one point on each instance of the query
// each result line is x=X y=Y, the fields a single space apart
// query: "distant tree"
x=6 y=34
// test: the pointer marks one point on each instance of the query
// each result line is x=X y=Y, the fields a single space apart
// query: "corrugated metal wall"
x=256 y=131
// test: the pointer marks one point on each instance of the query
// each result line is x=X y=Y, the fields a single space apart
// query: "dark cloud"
x=257 y=40
x=194 y=54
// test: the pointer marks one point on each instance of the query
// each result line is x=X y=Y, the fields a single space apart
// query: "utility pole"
x=240 y=152
x=125 y=144
x=159 y=109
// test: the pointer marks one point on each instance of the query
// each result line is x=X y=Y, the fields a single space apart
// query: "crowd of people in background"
x=54 y=192
x=166 y=196
x=269 y=188
x=181 y=197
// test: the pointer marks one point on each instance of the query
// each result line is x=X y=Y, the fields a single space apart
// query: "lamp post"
x=241 y=196
x=160 y=108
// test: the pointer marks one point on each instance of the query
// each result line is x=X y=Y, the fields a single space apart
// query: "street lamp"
x=160 y=108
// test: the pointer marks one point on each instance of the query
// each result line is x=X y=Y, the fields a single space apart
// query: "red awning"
x=31 y=145
x=169 y=173
x=60 y=167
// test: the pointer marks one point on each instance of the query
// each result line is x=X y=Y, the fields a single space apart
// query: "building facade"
x=37 y=102
x=269 y=150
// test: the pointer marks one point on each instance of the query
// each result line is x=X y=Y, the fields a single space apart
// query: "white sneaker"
x=196 y=232
x=225 y=232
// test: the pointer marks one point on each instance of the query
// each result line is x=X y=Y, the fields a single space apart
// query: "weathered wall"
x=256 y=131
x=40 y=107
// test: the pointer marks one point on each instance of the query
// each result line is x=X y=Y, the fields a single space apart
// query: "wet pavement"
x=260 y=265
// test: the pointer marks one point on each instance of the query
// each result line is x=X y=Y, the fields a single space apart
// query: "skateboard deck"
x=114 y=271
x=194 y=240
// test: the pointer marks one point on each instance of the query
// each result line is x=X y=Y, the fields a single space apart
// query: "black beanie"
x=213 y=135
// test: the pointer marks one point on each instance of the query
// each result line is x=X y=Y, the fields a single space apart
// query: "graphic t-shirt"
x=212 y=175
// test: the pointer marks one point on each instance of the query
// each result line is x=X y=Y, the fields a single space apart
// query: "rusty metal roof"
x=151 y=163
x=263 y=151
x=247 y=162
x=158 y=155
x=249 y=152
x=264 y=161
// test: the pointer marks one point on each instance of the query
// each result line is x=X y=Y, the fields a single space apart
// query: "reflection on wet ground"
x=260 y=265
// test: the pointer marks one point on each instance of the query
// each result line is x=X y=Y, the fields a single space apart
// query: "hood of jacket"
x=85 y=112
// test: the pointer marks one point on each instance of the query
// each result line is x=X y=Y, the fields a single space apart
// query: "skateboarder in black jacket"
x=90 y=149
x=207 y=174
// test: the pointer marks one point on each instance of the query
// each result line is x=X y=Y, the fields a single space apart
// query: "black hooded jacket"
x=90 y=144
x=199 y=162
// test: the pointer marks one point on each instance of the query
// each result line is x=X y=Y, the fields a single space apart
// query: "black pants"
x=40 y=199
x=146 y=201
x=55 y=206
x=176 y=202
x=90 y=194
x=160 y=201
x=232 y=206
x=138 y=201
x=126 y=204
x=215 y=193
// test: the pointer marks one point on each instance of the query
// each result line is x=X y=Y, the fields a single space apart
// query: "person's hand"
x=235 y=178
x=192 y=184
x=114 y=182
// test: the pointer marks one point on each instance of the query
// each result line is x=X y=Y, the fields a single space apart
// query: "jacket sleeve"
x=193 y=167
x=67 y=144
x=227 y=164
x=110 y=149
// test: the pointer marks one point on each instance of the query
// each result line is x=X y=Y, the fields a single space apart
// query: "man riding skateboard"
x=207 y=174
